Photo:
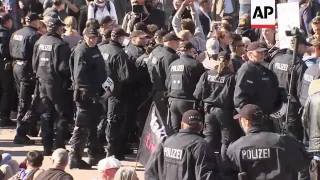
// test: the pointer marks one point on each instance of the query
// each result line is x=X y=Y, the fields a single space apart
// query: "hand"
x=21 y=5
x=186 y=3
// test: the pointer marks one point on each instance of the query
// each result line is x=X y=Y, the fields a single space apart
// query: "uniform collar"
x=169 y=49
x=31 y=27
x=185 y=56
x=115 y=43
x=257 y=129
x=187 y=131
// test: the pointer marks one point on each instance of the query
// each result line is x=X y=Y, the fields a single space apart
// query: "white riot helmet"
x=282 y=110
x=108 y=85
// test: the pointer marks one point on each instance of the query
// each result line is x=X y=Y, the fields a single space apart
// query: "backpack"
x=96 y=8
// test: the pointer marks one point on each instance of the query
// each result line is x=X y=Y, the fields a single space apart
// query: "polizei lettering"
x=177 y=68
x=255 y=154
x=216 y=79
x=280 y=66
x=43 y=47
x=173 y=153
x=308 y=77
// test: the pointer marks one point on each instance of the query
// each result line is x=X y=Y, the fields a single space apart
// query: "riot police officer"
x=21 y=48
x=281 y=65
x=262 y=154
x=88 y=75
x=121 y=71
x=50 y=63
x=6 y=75
x=158 y=66
x=183 y=76
x=184 y=155
x=215 y=89
x=255 y=84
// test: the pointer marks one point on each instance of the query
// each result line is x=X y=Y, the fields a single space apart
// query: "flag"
x=153 y=133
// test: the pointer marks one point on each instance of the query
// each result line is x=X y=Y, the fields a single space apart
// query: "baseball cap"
x=160 y=33
x=256 y=46
x=91 y=30
x=55 y=22
x=250 y=112
x=212 y=46
x=170 y=37
x=183 y=46
x=138 y=33
x=192 y=117
x=119 y=32
x=108 y=163
x=32 y=17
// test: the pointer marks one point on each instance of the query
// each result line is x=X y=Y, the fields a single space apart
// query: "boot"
x=96 y=155
x=33 y=132
x=77 y=163
x=23 y=140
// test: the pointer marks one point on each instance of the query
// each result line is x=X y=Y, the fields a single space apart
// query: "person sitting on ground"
x=107 y=168
x=126 y=173
x=59 y=159
x=8 y=166
x=33 y=163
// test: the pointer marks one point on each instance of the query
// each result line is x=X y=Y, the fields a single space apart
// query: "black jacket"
x=88 y=69
x=266 y=155
x=281 y=66
x=236 y=61
x=183 y=76
x=5 y=35
x=158 y=66
x=255 y=84
x=247 y=32
x=134 y=51
x=157 y=17
x=312 y=73
x=216 y=91
x=184 y=155
x=205 y=23
x=22 y=43
x=118 y=67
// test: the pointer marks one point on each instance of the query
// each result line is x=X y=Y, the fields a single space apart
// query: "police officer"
x=312 y=73
x=50 y=63
x=215 y=88
x=281 y=65
x=6 y=74
x=262 y=154
x=183 y=76
x=184 y=155
x=21 y=48
x=88 y=74
x=120 y=70
x=255 y=84
x=158 y=67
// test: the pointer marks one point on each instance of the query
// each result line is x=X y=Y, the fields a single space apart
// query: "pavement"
x=18 y=152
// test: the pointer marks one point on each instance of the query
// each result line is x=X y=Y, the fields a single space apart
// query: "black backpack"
x=96 y=8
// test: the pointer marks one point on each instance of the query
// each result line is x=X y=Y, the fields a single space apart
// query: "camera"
x=295 y=32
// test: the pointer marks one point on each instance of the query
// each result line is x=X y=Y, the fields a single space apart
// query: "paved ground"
x=18 y=152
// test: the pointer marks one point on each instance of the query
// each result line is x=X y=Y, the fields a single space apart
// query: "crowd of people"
x=232 y=102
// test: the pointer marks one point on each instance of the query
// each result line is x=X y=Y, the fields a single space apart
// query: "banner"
x=153 y=133
x=288 y=18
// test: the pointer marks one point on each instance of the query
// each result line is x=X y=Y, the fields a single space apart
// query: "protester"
x=107 y=168
x=98 y=9
x=126 y=173
x=71 y=35
x=8 y=166
x=57 y=8
x=59 y=160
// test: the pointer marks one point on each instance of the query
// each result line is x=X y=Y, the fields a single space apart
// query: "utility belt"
x=20 y=62
x=83 y=96
x=195 y=104
x=208 y=107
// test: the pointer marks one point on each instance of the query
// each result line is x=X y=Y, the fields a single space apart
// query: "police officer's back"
x=50 y=64
x=21 y=49
x=183 y=76
x=184 y=155
x=88 y=74
x=262 y=154
x=6 y=77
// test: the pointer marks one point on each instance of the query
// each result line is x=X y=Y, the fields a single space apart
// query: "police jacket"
x=310 y=122
x=184 y=155
x=134 y=51
x=266 y=155
x=216 y=90
x=183 y=76
x=50 y=59
x=256 y=84
x=22 y=43
x=142 y=68
x=88 y=69
x=5 y=35
x=281 y=66
x=158 y=66
x=117 y=65
x=312 y=73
